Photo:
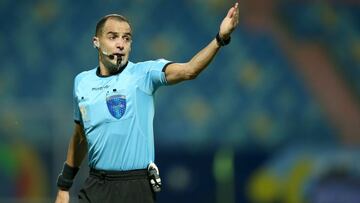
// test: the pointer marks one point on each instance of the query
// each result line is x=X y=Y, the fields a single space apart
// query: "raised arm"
x=177 y=72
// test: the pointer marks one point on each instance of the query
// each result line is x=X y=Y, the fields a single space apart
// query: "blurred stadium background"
x=274 y=119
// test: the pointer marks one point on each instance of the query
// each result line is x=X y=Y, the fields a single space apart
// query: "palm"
x=230 y=21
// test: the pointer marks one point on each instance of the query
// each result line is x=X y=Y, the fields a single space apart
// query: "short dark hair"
x=102 y=21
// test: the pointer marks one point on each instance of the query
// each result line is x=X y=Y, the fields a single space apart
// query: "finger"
x=235 y=21
x=236 y=7
x=236 y=12
x=230 y=12
x=236 y=15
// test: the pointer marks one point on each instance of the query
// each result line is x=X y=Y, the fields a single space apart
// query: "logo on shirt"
x=116 y=105
x=100 y=88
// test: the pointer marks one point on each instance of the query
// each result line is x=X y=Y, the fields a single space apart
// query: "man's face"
x=115 y=40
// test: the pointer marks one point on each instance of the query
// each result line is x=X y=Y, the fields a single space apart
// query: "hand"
x=230 y=22
x=62 y=197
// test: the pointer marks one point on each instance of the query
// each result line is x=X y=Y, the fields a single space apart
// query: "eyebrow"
x=116 y=33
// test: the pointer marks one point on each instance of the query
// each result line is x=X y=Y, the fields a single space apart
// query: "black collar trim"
x=115 y=73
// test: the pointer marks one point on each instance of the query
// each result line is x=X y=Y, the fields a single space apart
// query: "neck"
x=104 y=71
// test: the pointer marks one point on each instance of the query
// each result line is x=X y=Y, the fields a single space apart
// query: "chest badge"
x=116 y=104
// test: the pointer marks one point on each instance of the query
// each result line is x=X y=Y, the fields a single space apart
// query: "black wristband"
x=64 y=184
x=222 y=42
x=66 y=177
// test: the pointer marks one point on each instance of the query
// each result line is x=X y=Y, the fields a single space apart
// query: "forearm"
x=203 y=58
x=76 y=151
x=177 y=72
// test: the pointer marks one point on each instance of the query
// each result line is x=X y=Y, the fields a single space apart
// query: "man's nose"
x=120 y=44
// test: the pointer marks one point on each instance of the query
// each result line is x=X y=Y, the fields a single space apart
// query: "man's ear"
x=96 y=42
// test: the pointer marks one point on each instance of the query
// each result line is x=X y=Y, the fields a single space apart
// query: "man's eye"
x=112 y=37
x=127 y=39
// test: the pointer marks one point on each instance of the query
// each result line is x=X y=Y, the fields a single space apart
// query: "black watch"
x=222 y=42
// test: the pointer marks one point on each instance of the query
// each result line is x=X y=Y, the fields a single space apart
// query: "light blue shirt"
x=117 y=114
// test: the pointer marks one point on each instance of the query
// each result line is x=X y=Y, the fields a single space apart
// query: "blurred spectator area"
x=275 y=109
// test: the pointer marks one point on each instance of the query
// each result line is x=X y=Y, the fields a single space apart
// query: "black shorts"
x=112 y=187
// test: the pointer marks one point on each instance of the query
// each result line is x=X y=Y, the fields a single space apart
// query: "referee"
x=114 y=110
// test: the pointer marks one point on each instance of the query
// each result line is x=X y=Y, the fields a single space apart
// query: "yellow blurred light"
x=264 y=187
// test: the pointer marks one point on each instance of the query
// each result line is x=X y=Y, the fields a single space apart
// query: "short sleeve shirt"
x=117 y=114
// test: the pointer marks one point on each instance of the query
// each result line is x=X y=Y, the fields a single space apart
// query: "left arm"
x=177 y=72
